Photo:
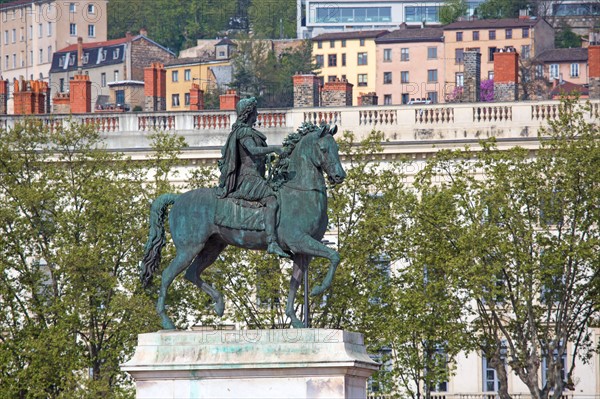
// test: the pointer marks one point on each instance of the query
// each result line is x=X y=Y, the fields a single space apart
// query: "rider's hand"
x=277 y=150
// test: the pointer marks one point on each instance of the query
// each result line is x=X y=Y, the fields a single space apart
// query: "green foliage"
x=273 y=19
x=72 y=220
x=493 y=9
x=566 y=38
x=452 y=10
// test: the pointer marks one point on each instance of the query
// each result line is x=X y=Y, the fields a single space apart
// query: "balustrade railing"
x=329 y=117
x=212 y=121
x=374 y=117
x=434 y=115
x=148 y=123
x=492 y=113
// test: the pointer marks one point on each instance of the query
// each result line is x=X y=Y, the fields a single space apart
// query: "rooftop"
x=17 y=3
x=493 y=23
x=360 y=34
x=564 y=55
x=412 y=35
x=90 y=45
x=192 y=61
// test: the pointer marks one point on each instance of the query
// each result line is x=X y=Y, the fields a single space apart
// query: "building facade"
x=118 y=60
x=348 y=56
x=409 y=65
x=321 y=16
x=564 y=64
x=529 y=37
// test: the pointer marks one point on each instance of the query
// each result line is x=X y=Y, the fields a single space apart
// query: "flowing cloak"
x=248 y=184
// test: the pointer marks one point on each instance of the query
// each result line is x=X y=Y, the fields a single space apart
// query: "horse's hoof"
x=297 y=324
x=220 y=308
x=317 y=290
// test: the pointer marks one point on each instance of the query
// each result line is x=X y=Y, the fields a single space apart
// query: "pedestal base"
x=299 y=363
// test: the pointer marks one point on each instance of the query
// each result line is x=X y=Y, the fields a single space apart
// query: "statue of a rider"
x=242 y=167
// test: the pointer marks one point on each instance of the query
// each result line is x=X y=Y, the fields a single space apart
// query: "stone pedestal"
x=299 y=363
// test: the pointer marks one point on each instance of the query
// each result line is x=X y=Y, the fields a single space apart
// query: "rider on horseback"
x=242 y=167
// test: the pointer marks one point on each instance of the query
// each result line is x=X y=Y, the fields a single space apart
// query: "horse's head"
x=328 y=155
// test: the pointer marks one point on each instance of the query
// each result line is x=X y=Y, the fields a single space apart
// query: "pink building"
x=410 y=66
x=564 y=64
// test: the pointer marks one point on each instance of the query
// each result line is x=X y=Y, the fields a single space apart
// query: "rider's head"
x=246 y=110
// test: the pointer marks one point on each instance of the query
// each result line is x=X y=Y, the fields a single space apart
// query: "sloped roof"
x=567 y=88
x=492 y=24
x=564 y=55
x=359 y=34
x=412 y=35
x=90 y=45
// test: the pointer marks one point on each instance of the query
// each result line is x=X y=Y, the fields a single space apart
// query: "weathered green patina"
x=302 y=201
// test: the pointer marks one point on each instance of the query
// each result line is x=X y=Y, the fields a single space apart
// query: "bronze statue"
x=239 y=212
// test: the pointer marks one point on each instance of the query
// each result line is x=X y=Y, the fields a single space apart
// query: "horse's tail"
x=156 y=238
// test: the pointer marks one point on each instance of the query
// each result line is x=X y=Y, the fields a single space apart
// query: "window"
x=525 y=33
x=92 y=30
x=103 y=79
x=460 y=79
x=344 y=59
x=116 y=75
x=553 y=69
x=40 y=30
x=328 y=14
x=490 y=75
x=332 y=44
x=175 y=100
x=319 y=61
x=186 y=99
x=508 y=33
x=387 y=55
x=120 y=97
x=30 y=34
x=49 y=52
x=187 y=75
x=362 y=58
x=432 y=75
x=362 y=42
x=475 y=35
x=319 y=44
x=490 y=379
x=91 y=9
x=458 y=56
x=459 y=36
x=174 y=76
x=433 y=96
x=574 y=70
x=72 y=7
x=387 y=99
x=61 y=85
x=491 y=51
x=539 y=71
x=431 y=53
x=5 y=37
x=22 y=35
x=405 y=98
x=332 y=78
x=332 y=60
x=14 y=63
x=562 y=365
x=526 y=52
x=387 y=78
x=492 y=35
x=30 y=60
x=6 y=58
x=421 y=13
x=40 y=56
x=343 y=42
x=404 y=77
x=49 y=28
x=404 y=54
x=73 y=29
x=116 y=53
x=362 y=79
x=14 y=35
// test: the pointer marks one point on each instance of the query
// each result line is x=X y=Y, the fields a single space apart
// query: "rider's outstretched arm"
x=254 y=149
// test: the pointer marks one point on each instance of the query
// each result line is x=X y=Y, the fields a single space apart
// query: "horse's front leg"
x=309 y=246
x=300 y=262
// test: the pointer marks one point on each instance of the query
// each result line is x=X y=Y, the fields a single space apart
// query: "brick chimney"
x=472 y=76
x=155 y=87
x=229 y=100
x=61 y=103
x=368 y=98
x=81 y=94
x=594 y=70
x=196 y=98
x=144 y=32
x=79 y=55
x=3 y=97
x=506 y=76
x=306 y=90
x=23 y=98
x=336 y=94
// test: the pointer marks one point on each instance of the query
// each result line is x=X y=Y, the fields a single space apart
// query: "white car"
x=414 y=101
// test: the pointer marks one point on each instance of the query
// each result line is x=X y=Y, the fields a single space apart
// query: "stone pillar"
x=3 y=97
x=594 y=71
x=61 y=103
x=306 y=90
x=302 y=363
x=368 y=99
x=472 y=76
x=81 y=94
x=155 y=87
x=196 y=98
x=229 y=100
x=336 y=94
x=506 y=76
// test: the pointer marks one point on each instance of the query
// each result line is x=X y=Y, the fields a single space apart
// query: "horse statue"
x=298 y=176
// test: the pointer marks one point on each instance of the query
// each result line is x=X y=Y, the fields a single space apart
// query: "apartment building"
x=564 y=64
x=409 y=65
x=106 y=63
x=348 y=56
x=529 y=37
x=322 y=16
x=32 y=30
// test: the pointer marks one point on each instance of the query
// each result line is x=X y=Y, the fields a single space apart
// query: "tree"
x=494 y=9
x=528 y=250
x=273 y=19
x=566 y=38
x=72 y=222
x=452 y=10
x=487 y=90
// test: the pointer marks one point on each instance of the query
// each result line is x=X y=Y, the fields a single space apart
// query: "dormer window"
x=116 y=54
x=101 y=55
x=72 y=60
x=85 y=58
x=61 y=60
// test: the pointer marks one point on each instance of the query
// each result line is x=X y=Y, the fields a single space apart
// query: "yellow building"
x=348 y=56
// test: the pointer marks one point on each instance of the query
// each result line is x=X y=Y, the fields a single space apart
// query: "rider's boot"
x=270 y=220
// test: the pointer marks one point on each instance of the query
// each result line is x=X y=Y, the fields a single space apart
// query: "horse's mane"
x=279 y=173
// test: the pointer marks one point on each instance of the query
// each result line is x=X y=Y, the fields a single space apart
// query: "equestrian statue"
x=285 y=214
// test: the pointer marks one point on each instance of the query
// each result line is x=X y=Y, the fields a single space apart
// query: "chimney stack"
x=506 y=75
x=79 y=54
